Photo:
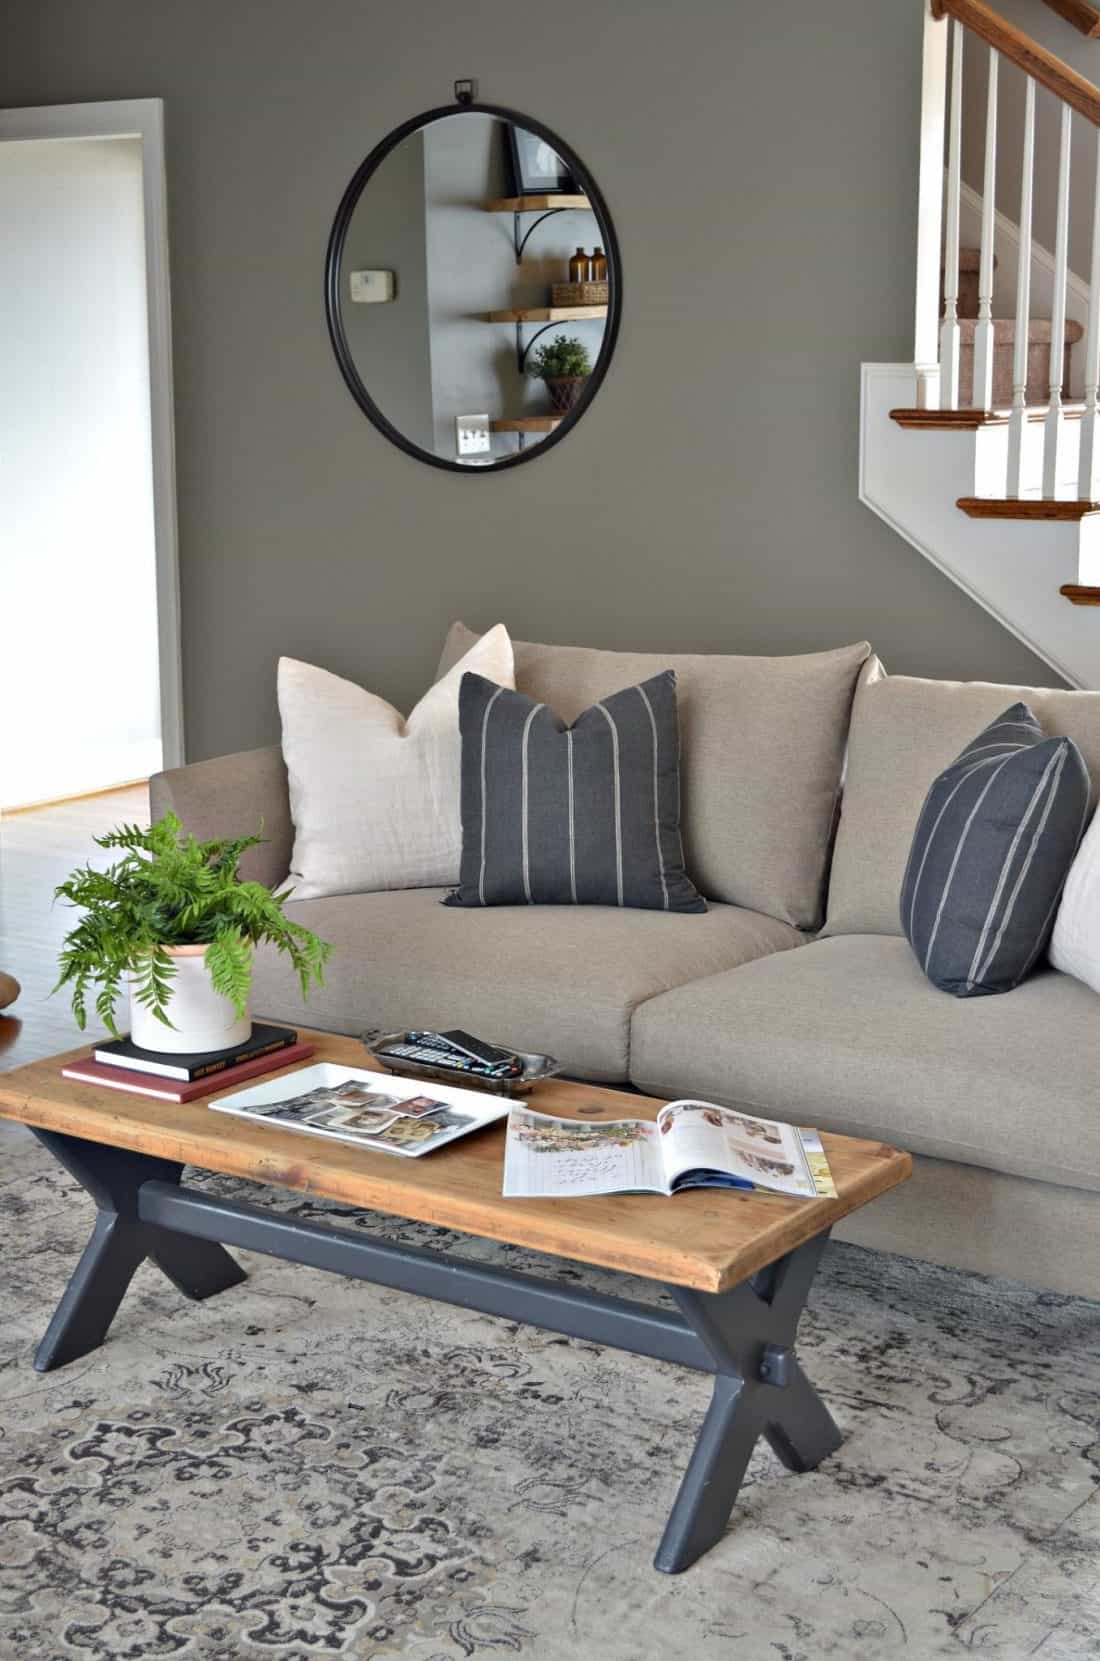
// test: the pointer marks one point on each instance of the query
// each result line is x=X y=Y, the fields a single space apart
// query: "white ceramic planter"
x=201 y=1018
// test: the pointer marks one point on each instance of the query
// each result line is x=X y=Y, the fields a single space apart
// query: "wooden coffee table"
x=738 y=1265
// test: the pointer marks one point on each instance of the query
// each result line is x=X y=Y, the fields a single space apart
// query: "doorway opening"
x=89 y=665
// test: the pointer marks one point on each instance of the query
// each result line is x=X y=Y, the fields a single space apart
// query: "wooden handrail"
x=1027 y=54
x=1084 y=17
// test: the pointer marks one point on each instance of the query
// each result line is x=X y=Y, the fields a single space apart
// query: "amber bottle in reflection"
x=578 y=267
x=598 y=265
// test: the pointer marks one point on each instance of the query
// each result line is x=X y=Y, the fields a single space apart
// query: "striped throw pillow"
x=580 y=815
x=994 y=842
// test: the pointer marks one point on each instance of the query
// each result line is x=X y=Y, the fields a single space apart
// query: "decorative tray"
x=535 y=1067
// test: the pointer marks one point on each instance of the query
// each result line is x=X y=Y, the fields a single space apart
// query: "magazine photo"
x=370 y=1110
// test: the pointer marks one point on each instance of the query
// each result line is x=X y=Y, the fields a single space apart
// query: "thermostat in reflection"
x=369 y=287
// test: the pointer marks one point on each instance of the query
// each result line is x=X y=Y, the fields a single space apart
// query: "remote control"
x=436 y=1051
x=467 y=1044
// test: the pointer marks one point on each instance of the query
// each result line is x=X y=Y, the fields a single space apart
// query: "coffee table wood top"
x=706 y=1239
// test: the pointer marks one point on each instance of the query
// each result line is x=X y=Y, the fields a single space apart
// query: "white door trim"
x=141 y=118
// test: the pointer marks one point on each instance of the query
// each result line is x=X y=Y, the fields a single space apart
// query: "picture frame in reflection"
x=537 y=169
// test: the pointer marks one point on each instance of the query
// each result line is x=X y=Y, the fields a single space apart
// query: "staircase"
x=978 y=452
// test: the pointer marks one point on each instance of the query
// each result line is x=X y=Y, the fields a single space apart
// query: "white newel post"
x=926 y=347
x=982 y=395
x=1088 y=480
x=949 y=334
x=1055 y=422
x=1018 y=419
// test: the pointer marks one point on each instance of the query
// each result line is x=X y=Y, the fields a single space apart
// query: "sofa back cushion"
x=375 y=796
x=904 y=733
x=762 y=746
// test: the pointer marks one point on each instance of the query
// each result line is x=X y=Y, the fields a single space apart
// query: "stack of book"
x=121 y=1065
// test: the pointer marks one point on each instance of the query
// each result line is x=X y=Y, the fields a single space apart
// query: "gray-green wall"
x=388 y=340
x=472 y=269
x=760 y=165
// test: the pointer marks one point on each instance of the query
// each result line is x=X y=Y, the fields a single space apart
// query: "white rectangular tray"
x=474 y=1105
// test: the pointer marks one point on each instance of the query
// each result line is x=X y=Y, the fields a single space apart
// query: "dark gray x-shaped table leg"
x=744 y=1337
x=759 y=1389
x=119 y=1244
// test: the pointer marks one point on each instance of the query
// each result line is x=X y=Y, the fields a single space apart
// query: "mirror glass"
x=472 y=288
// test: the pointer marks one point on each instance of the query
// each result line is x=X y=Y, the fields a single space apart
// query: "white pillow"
x=375 y=798
x=1075 y=943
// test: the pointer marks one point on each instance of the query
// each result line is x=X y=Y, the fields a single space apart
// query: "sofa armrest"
x=228 y=796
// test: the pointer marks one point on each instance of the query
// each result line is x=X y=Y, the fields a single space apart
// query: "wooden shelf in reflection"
x=536 y=204
x=528 y=424
x=546 y=314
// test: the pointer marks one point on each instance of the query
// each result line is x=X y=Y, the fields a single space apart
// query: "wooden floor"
x=38 y=849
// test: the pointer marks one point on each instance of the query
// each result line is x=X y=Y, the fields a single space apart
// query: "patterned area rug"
x=312 y=1467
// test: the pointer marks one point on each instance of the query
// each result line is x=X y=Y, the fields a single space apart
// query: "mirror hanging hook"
x=466 y=90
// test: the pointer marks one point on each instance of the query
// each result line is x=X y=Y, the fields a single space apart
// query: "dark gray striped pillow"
x=580 y=815
x=993 y=846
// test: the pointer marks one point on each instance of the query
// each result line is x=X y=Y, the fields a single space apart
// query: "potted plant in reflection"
x=174 y=918
x=564 y=365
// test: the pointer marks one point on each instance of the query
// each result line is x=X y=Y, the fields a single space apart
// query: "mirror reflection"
x=476 y=288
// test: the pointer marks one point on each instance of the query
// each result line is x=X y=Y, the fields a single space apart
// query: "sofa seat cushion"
x=847 y=1034
x=563 y=980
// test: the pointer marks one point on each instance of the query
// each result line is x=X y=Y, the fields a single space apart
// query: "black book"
x=263 y=1040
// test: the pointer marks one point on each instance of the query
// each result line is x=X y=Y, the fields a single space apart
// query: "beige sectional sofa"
x=796 y=992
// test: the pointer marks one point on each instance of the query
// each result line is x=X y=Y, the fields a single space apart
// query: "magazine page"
x=818 y=1161
x=698 y=1139
x=547 y=1157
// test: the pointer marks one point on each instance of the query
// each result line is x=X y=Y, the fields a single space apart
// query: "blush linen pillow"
x=1075 y=943
x=374 y=797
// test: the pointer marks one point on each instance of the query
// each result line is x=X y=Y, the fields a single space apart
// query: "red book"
x=176 y=1090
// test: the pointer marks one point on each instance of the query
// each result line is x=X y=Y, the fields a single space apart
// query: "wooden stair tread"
x=1080 y=595
x=1025 y=507
x=947 y=420
x=967 y=420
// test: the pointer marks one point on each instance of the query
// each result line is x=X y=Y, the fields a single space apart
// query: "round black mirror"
x=473 y=288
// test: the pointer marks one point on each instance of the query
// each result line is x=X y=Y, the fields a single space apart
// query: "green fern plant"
x=170 y=889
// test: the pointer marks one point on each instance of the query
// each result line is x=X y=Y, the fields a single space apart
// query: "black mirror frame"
x=334 y=256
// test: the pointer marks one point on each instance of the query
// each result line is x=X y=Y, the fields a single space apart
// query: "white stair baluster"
x=982 y=395
x=1018 y=419
x=1055 y=422
x=926 y=333
x=949 y=332
x=1088 y=481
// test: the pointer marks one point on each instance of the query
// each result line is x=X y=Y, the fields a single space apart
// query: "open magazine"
x=689 y=1145
x=368 y=1110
